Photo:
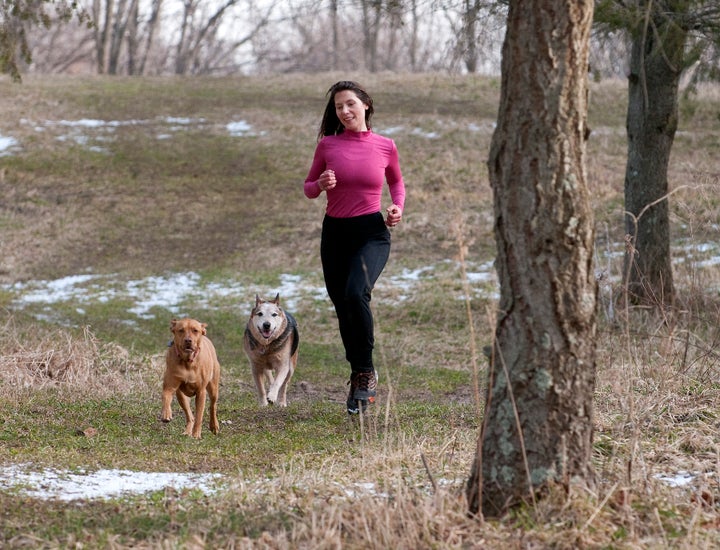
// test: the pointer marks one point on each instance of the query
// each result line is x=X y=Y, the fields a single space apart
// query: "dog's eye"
x=259 y=314
x=275 y=314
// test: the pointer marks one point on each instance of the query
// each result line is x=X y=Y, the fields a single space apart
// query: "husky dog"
x=271 y=344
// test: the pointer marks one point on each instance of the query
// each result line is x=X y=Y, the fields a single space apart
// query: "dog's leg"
x=291 y=371
x=199 y=412
x=184 y=401
x=282 y=394
x=166 y=412
x=213 y=390
x=259 y=378
x=281 y=377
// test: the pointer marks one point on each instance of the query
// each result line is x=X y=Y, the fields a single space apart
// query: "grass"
x=122 y=204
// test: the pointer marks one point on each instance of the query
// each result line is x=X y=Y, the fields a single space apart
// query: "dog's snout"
x=266 y=325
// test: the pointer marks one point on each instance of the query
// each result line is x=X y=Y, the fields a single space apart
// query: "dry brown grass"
x=60 y=360
x=656 y=415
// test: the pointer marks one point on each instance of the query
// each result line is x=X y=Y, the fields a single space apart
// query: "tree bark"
x=371 y=12
x=538 y=420
x=102 y=10
x=133 y=39
x=656 y=64
x=471 y=11
x=335 y=34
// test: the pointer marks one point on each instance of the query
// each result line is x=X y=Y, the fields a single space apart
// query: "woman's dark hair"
x=331 y=124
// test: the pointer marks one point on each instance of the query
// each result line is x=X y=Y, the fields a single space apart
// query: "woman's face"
x=351 y=111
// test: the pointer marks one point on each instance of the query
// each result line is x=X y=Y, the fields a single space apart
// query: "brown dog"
x=192 y=369
x=271 y=343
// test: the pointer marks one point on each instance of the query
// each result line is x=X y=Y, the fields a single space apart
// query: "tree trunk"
x=151 y=29
x=117 y=36
x=538 y=420
x=335 y=34
x=102 y=10
x=471 y=10
x=181 y=50
x=371 y=12
x=414 y=31
x=133 y=40
x=656 y=64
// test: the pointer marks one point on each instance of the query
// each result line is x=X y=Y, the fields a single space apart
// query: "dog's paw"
x=272 y=396
x=164 y=420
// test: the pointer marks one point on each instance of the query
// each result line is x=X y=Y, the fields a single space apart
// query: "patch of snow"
x=175 y=291
x=680 y=479
x=77 y=129
x=239 y=128
x=391 y=131
x=49 y=292
x=364 y=488
x=422 y=133
x=51 y=484
x=6 y=144
x=161 y=292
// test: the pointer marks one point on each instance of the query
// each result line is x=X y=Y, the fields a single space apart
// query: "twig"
x=427 y=471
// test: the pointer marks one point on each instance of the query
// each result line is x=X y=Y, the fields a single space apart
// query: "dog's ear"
x=276 y=301
x=257 y=300
x=204 y=328
x=172 y=325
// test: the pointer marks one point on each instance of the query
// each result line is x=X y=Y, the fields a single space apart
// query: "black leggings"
x=354 y=252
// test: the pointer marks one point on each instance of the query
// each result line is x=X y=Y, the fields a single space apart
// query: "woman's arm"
x=311 y=187
x=393 y=176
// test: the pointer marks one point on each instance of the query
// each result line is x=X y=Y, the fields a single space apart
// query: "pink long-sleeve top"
x=362 y=162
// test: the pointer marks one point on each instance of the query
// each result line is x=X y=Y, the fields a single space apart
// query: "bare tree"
x=538 y=424
x=199 y=38
x=475 y=25
x=667 y=37
x=202 y=36
x=126 y=15
x=151 y=29
x=66 y=47
x=335 y=37
x=371 y=14
x=119 y=32
x=414 y=34
x=395 y=20
x=471 y=11
x=102 y=11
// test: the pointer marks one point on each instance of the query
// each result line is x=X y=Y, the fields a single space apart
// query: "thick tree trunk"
x=652 y=117
x=538 y=426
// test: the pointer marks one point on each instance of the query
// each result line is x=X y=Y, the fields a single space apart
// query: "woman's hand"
x=394 y=215
x=326 y=181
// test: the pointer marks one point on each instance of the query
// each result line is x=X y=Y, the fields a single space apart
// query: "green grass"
x=231 y=210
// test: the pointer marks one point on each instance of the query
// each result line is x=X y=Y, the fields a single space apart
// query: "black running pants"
x=353 y=252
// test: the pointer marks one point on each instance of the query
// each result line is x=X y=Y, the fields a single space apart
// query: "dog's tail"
x=292 y=323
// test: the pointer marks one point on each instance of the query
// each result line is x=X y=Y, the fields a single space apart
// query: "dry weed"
x=57 y=359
